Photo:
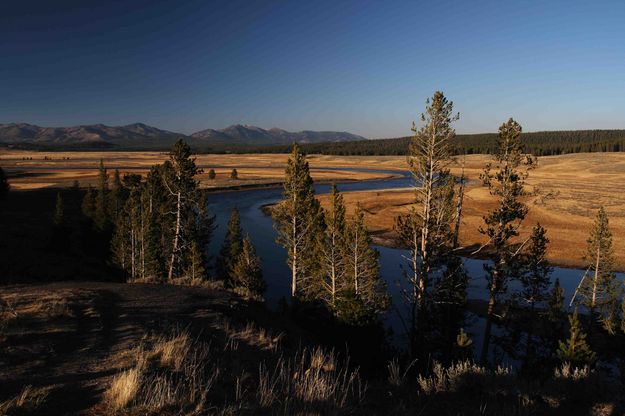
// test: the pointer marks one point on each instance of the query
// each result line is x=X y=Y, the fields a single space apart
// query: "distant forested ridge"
x=543 y=143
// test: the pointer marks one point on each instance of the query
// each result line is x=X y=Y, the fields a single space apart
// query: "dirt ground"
x=67 y=340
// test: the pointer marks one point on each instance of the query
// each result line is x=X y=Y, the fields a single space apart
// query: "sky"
x=366 y=67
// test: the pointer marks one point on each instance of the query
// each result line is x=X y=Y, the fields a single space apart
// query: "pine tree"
x=101 y=213
x=158 y=232
x=195 y=262
x=200 y=227
x=362 y=270
x=4 y=185
x=426 y=230
x=179 y=179
x=211 y=174
x=501 y=224
x=232 y=246
x=234 y=174
x=247 y=270
x=555 y=317
x=535 y=279
x=333 y=249
x=116 y=197
x=600 y=292
x=555 y=301
x=88 y=203
x=59 y=211
x=575 y=350
x=298 y=220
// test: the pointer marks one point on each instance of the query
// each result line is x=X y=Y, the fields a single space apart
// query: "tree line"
x=544 y=143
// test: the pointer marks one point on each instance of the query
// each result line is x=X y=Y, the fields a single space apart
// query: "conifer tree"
x=247 y=270
x=211 y=174
x=555 y=316
x=334 y=249
x=535 y=279
x=59 y=211
x=298 y=220
x=555 y=301
x=179 y=179
x=101 y=213
x=601 y=291
x=155 y=198
x=88 y=203
x=4 y=185
x=116 y=197
x=575 y=349
x=234 y=174
x=501 y=225
x=426 y=230
x=195 y=262
x=232 y=246
x=362 y=270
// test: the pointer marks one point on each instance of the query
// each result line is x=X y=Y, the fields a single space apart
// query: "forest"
x=537 y=356
x=545 y=143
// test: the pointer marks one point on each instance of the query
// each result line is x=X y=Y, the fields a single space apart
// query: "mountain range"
x=142 y=136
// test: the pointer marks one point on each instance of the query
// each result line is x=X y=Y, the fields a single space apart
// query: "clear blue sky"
x=361 y=66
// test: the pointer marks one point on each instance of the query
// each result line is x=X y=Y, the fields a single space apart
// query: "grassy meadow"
x=566 y=190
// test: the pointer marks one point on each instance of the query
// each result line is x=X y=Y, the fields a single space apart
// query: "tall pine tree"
x=362 y=270
x=506 y=183
x=183 y=188
x=600 y=291
x=333 y=249
x=426 y=230
x=298 y=220
x=535 y=280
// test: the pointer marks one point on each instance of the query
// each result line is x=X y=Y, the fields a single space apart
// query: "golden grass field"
x=61 y=169
x=570 y=188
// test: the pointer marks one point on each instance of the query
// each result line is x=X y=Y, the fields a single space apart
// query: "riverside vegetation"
x=333 y=356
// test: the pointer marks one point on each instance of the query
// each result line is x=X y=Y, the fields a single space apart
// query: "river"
x=259 y=226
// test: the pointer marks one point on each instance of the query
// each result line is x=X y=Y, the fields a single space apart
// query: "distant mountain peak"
x=141 y=135
x=248 y=134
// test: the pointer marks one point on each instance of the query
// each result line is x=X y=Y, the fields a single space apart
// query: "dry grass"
x=28 y=400
x=311 y=380
x=178 y=374
x=63 y=168
x=171 y=373
x=570 y=189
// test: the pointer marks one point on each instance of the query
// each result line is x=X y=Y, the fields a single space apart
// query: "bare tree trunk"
x=459 y=209
x=132 y=253
x=333 y=272
x=356 y=265
x=176 y=237
x=142 y=254
x=294 y=257
x=593 y=303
